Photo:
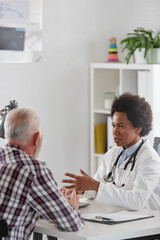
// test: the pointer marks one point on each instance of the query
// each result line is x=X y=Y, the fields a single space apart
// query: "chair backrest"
x=3 y=228
x=156 y=144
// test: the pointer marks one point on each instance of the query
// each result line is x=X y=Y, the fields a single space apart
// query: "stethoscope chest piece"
x=108 y=177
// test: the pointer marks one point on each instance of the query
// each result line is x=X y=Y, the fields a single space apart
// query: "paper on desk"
x=120 y=216
x=124 y=215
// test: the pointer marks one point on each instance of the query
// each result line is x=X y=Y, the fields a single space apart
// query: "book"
x=109 y=135
x=100 y=137
x=110 y=140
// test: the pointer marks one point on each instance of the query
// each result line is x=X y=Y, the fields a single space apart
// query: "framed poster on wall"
x=20 y=31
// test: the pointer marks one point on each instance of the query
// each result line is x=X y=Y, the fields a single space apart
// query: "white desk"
x=98 y=231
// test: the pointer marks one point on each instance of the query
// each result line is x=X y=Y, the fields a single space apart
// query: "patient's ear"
x=36 y=138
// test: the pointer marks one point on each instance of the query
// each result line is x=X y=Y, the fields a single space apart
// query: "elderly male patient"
x=27 y=187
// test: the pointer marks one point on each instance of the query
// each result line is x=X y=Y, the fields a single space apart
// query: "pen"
x=103 y=218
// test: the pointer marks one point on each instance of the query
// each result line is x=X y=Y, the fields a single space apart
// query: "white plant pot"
x=139 y=56
x=153 y=56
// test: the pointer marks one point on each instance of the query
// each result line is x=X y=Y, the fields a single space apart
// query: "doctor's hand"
x=71 y=196
x=81 y=183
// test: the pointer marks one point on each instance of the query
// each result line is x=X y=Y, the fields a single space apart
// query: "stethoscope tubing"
x=109 y=177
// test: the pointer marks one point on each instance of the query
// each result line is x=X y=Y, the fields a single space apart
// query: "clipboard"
x=116 y=217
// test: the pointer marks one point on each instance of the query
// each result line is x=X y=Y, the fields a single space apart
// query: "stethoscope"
x=109 y=177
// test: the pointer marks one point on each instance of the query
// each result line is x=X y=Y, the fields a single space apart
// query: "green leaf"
x=140 y=38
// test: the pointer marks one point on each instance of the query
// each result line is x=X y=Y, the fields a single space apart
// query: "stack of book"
x=103 y=136
x=100 y=137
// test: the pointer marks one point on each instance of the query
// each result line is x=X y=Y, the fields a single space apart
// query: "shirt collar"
x=13 y=146
x=129 y=151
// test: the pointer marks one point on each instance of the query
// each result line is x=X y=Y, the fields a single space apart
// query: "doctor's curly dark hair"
x=138 y=111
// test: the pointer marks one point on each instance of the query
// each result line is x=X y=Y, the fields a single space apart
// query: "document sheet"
x=116 y=217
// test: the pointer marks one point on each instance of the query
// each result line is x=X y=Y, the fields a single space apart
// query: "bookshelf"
x=142 y=79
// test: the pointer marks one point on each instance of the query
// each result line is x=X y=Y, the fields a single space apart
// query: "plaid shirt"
x=27 y=191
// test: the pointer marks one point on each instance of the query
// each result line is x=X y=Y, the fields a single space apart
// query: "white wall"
x=75 y=33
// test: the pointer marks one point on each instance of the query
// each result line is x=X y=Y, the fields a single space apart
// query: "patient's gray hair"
x=20 y=124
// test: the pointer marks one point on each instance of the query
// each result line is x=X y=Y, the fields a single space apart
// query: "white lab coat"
x=142 y=184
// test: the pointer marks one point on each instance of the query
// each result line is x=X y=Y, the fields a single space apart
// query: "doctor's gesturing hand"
x=81 y=183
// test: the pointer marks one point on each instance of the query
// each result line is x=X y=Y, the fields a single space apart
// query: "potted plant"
x=141 y=40
x=153 y=55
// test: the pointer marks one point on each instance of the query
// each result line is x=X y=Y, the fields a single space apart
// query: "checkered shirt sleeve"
x=46 y=199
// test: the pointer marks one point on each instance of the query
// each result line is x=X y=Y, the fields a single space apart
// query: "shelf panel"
x=98 y=155
x=102 y=111
x=133 y=66
x=104 y=80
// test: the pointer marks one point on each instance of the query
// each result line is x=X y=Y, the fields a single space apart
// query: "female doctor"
x=129 y=176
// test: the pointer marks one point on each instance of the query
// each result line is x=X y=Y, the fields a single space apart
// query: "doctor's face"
x=124 y=133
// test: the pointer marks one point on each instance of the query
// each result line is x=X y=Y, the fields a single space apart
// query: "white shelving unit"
x=143 y=80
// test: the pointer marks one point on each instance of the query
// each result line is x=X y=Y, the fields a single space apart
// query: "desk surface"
x=98 y=231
